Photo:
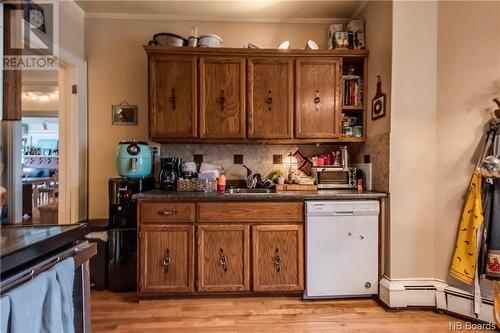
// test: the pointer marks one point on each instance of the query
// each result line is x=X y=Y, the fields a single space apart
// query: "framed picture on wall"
x=378 y=102
x=124 y=114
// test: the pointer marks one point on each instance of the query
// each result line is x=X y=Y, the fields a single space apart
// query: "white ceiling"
x=203 y=10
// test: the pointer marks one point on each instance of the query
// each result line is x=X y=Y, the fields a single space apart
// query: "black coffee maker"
x=170 y=169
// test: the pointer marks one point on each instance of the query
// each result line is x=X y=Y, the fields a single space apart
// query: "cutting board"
x=295 y=187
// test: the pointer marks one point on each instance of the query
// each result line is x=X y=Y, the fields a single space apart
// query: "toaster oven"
x=335 y=177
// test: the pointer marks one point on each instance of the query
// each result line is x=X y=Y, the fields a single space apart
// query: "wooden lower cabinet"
x=223 y=258
x=166 y=259
x=278 y=258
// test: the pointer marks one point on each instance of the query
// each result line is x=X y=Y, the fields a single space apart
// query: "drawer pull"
x=223 y=260
x=166 y=260
x=277 y=260
x=168 y=212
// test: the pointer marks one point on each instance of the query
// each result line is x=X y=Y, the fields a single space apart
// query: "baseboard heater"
x=429 y=287
x=461 y=302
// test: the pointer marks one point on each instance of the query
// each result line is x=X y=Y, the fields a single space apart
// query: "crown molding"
x=360 y=9
x=77 y=8
x=130 y=16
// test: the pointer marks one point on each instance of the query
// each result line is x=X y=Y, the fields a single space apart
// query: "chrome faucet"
x=251 y=178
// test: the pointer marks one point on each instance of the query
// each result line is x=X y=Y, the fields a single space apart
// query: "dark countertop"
x=24 y=243
x=280 y=196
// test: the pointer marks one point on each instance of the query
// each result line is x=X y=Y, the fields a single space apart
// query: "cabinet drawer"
x=251 y=211
x=167 y=212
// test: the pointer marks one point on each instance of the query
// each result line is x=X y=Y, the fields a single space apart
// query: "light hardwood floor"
x=122 y=312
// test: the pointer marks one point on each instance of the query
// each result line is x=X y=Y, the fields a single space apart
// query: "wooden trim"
x=255 y=141
x=12 y=79
x=246 y=257
x=224 y=51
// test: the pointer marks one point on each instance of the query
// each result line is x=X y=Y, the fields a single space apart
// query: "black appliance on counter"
x=170 y=169
x=122 y=231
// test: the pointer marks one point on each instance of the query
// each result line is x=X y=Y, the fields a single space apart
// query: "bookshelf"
x=354 y=99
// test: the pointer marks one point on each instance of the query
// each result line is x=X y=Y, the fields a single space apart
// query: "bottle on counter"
x=359 y=185
x=221 y=181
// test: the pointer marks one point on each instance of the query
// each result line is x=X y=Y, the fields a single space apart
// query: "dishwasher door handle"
x=343 y=212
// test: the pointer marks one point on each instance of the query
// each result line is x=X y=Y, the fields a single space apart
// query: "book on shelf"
x=352 y=90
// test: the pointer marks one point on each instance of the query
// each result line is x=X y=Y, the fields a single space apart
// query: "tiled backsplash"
x=258 y=157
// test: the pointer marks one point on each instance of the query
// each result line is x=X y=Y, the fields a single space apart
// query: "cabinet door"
x=172 y=97
x=222 y=98
x=166 y=259
x=317 y=99
x=278 y=258
x=270 y=98
x=223 y=258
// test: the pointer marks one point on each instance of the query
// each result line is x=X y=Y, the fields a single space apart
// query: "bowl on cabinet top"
x=209 y=41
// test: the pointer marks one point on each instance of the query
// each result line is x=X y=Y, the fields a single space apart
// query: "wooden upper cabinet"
x=166 y=259
x=224 y=258
x=222 y=98
x=278 y=258
x=317 y=98
x=270 y=98
x=172 y=97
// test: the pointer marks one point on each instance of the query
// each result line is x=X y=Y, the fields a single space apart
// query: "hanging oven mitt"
x=463 y=264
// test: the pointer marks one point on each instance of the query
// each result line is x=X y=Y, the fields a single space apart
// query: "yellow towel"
x=463 y=264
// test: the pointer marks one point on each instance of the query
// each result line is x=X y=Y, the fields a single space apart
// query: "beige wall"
x=71 y=27
x=444 y=76
x=468 y=79
x=117 y=72
x=413 y=140
x=378 y=24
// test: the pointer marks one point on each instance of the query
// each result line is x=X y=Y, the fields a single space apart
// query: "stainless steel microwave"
x=334 y=177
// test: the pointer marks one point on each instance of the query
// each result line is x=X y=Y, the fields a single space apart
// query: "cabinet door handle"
x=222 y=100
x=167 y=212
x=270 y=100
x=317 y=100
x=223 y=259
x=173 y=99
x=277 y=260
x=166 y=260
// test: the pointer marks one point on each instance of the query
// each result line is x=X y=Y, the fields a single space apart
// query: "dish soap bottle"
x=221 y=181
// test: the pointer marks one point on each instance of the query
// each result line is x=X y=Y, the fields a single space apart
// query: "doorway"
x=40 y=147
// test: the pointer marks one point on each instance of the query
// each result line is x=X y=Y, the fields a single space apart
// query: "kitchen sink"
x=250 y=190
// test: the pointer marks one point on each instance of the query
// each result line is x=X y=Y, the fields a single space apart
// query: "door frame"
x=73 y=153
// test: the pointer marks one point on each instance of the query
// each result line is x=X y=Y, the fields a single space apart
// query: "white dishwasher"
x=341 y=248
